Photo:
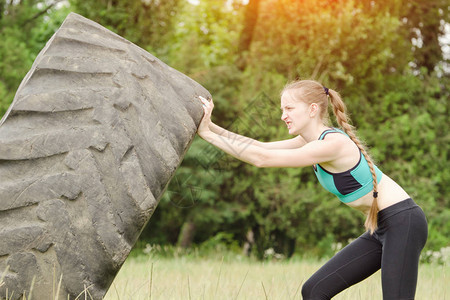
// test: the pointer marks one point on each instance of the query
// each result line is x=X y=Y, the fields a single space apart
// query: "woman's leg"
x=355 y=262
x=404 y=239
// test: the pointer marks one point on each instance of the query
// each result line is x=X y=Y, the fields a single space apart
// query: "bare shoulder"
x=345 y=150
x=338 y=139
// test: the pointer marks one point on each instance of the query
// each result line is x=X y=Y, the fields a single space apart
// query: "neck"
x=313 y=132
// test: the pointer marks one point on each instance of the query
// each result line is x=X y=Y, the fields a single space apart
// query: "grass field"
x=145 y=277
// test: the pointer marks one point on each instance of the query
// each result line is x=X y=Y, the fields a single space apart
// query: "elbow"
x=260 y=162
x=262 y=145
x=259 y=157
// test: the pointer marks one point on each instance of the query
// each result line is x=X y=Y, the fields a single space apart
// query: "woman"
x=396 y=226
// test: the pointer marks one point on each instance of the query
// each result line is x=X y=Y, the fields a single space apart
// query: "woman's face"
x=294 y=113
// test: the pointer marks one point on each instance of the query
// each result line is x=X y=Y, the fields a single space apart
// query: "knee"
x=311 y=292
x=307 y=289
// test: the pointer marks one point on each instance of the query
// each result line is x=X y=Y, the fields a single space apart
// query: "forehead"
x=288 y=99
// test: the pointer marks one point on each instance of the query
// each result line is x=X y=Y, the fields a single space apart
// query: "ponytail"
x=339 y=111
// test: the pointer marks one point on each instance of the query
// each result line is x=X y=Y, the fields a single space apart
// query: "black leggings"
x=394 y=247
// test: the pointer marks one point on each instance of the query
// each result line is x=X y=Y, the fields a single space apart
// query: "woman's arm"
x=247 y=149
x=244 y=149
x=295 y=142
x=233 y=136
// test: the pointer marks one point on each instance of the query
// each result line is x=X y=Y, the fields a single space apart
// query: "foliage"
x=147 y=23
x=383 y=57
x=25 y=27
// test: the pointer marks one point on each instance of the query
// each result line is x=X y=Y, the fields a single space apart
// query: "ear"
x=313 y=110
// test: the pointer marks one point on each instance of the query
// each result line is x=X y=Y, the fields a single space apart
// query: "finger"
x=207 y=100
x=203 y=100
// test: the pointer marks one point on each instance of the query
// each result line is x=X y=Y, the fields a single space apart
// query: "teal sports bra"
x=351 y=184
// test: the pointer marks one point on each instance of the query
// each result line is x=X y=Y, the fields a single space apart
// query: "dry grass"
x=147 y=277
x=182 y=278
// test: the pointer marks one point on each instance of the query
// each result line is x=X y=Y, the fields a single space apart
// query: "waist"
x=395 y=209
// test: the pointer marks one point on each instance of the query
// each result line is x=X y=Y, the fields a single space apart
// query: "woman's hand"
x=206 y=121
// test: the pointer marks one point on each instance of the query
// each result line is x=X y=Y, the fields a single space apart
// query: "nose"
x=283 y=116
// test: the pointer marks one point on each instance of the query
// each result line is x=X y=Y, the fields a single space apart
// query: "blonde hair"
x=311 y=91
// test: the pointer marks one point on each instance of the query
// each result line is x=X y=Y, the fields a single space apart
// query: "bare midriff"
x=389 y=193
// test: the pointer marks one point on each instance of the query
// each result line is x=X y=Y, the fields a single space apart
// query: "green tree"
x=149 y=24
x=424 y=22
x=25 y=27
x=362 y=49
x=383 y=56
x=364 y=52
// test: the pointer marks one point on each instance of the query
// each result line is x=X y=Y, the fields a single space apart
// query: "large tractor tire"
x=94 y=135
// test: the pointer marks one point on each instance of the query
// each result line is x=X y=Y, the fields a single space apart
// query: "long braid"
x=339 y=110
